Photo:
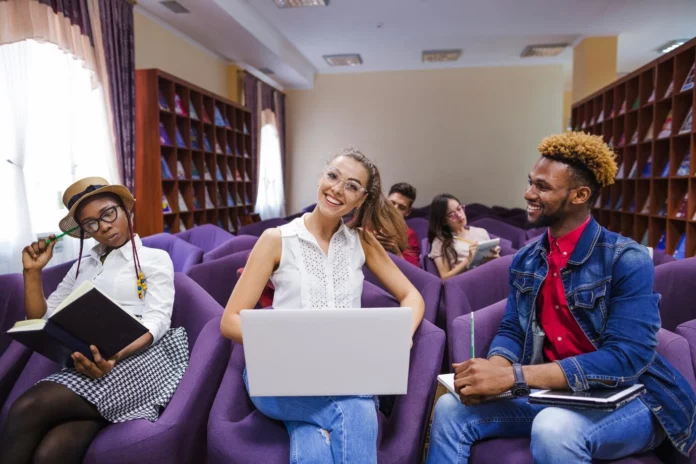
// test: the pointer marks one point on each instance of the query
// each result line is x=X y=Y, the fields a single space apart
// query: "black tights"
x=49 y=423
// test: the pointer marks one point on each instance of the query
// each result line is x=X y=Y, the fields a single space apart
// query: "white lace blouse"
x=307 y=278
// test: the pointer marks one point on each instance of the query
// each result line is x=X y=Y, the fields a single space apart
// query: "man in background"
x=402 y=196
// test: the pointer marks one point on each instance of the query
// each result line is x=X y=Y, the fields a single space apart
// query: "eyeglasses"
x=332 y=176
x=109 y=215
x=456 y=212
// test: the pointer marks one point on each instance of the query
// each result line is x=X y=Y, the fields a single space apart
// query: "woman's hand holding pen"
x=37 y=255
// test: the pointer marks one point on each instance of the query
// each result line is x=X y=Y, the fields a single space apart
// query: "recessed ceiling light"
x=267 y=71
x=543 y=50
x=175 y=7
x=671 y=45
x=441 y=55
x=352 y=59
x=299 y=3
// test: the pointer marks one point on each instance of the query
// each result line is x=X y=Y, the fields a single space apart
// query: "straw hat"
x=83 y=189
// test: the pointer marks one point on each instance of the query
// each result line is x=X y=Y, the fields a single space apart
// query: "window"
x=53 y=131
x=270 y=201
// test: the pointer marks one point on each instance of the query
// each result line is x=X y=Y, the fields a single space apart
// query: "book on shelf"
x=206 y=173
x=194 y=172
x=600 y=118
x=607 y=205
x=246 y=177
x=164 y=137
x=648 y=167
x=246 y=130
x=622 y=140
x=166 y=228
x=634 y=137
x=632 y=206
x=685 y=166
x=218 y=173
x=192 y=111
x=239 y=199
x=652 y=96
x=598 y=203
x=246 y=198
x=246 y=154
x=682 y=207
x=666 y=127
x=623 y=108
x=178 y=105
x=165 y=205
x=182 y=204
x=85 y=317
x=645 y=241
x=182 y=226
x=218 y=150
x=646 y=206
x=689 y=81
x=236 y=150
x=180 y=139
x=665 y=169
x=663 y=209
x=206 y=142
x=195 y=144
x=219 y=121
x=613 y=113
x=228 y=174
x=634 y=170
x=219 y=198
x=688 y=122
x=636 y=103
x=229 y=150
x=611 y=141
x=680 y=250
x=166 y=172
x=669 y=90
x=162 y=101
x=230 y=200
x=206 y=119
x=220 y=224
x=592 y=123
x=238 y=176
x=196 y=204
x=208 y=201
x=649 y=133
x=662 y=243
x=619 y=202
x=230 y=225
x=227 y=122
x=180 y=172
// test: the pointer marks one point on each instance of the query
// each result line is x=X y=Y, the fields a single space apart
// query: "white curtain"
x=270 y=201
x=53 y=131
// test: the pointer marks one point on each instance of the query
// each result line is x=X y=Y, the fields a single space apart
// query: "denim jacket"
x=608 y=284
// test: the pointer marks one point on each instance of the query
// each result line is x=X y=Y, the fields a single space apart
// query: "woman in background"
x=316 y=262
x=453 y=242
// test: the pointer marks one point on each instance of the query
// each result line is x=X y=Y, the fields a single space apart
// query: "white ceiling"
x=391 y=34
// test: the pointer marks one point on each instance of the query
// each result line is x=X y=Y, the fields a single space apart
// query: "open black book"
x=86 y=317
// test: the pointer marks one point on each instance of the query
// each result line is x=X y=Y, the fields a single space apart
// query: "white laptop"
x=327 y=352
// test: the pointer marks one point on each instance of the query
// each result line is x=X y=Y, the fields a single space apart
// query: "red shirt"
x=412 y=253
x=564 y=337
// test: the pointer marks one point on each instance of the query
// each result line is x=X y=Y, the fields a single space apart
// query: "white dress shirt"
x=117 y=279
x=307 y=278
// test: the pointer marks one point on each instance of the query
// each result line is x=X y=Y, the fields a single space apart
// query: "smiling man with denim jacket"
x=581 y=314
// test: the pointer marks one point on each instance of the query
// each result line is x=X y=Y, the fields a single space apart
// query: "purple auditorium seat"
x=14 y=355
x=535 y=232
x=672 y=346
x=206 y=237
x=473 y=290
x=183 y=254
x=423 y=212
x=674 y=281
x=419 y=226
x=179 y=435
x=428 y=263
x=429 y=286
x=660 y=257
x=238 y=433
x=218 y=277
x=257 y=228
x=500 y=229
x=238 y=243
x=294 y=216
x=310 y=208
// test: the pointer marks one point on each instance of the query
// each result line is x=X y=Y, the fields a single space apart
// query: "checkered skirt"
x=140 y=386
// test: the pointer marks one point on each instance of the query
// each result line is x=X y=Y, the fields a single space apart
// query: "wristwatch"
x=520 y=389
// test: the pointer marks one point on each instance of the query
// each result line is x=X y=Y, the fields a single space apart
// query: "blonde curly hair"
x=582 y=151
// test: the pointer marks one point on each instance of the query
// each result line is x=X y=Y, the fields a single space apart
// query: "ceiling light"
x=671 y=45
x=175 y=7
x=352 y=59
x=441 y=55
x=299 y=3
x=543 y=50
x=267 y=71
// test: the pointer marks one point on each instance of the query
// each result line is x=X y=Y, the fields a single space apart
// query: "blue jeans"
x=325 y=429
x=557 y=434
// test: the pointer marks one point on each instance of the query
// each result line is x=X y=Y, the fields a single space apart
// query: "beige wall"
x=158 y=47
x=470 y=132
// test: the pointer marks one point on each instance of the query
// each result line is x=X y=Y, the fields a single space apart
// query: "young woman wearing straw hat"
x=57 y=418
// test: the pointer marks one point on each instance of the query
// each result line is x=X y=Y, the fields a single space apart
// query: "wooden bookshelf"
x=212 y=146
x=647 y=202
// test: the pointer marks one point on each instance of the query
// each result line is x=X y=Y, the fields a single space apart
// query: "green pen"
x=473 y=344
x=48 y=240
